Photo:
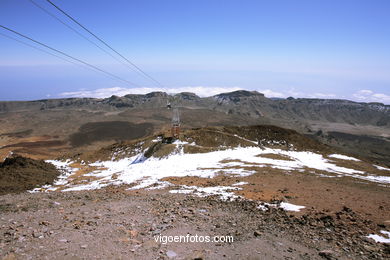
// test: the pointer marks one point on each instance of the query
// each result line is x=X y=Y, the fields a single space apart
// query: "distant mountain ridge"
x=246 y=103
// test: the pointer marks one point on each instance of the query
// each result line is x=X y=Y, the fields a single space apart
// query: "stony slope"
x=263 y=163
x=279 y=193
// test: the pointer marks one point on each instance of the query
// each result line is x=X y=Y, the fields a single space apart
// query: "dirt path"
x=116 y=224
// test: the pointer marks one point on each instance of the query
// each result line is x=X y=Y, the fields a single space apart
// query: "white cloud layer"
x=366 y=95
x=270 y=93
x=292 y=92
x=107 y=92
x=361 y=96
x=199 y=90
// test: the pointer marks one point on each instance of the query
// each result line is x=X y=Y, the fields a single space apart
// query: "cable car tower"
x=175 y=127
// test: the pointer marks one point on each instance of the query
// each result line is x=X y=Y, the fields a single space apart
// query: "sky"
x=302 y=48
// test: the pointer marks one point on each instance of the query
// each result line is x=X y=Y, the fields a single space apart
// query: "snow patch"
x=240 y=183
x=381 y=168
x=237 y=162
x=224 y=192
x=250 y=141
x=158 y=139
x=284 y=205
x=381 y=239
x=343 y=157
x=178 y=142
x=290 y=207
x=63 y=179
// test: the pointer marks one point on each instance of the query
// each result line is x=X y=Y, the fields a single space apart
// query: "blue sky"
x=325 y=49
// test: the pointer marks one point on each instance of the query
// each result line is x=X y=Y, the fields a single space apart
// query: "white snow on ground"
x=224 y=192
x=63 y=179
x=158 y=139
x=343 y=157
x=145 y=172
x=179 y=142
x=290 y=207
x=381 y=239
x=284 y=205
x=381 y=168
x=242 y=138
x=240 y=183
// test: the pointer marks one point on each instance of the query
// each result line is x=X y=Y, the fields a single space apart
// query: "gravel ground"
x=113 y=223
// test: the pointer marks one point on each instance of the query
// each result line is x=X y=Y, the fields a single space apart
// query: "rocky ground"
x=341 y=206
x=114 y=223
